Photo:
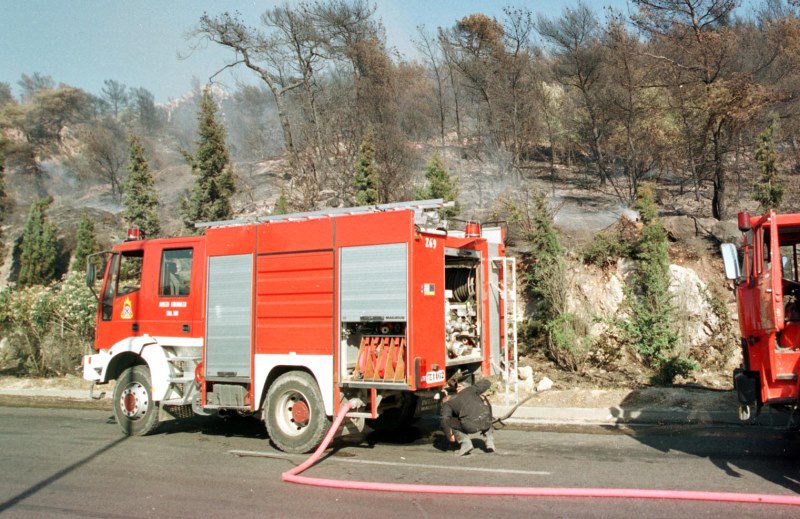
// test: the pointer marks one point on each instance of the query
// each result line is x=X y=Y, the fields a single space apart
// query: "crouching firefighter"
x=464 y=412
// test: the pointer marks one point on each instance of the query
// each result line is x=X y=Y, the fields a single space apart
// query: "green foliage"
x=86 y=243
x=39 y=247
x=210 y=198
x=140 y=199
x=605 y=249
x=650 y=329
x=366 y=177
x=280 y=204
x=50 y=111
x=769 y=189
x=570 y=341
x=564 y=335
x=440 y=185
x=48 y=328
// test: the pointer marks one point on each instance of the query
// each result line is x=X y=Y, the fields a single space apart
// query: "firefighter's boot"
x=464 y=441
x=489 y=439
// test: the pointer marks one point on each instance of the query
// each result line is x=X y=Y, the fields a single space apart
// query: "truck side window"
x=111 y=284
x=176 y=273
x=130 y=273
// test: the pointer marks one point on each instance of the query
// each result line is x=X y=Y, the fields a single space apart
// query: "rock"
x=525 y=373
x=680 y=228
x=726 y=232
x=544 y=384
x=696 y=319
x=528 y=385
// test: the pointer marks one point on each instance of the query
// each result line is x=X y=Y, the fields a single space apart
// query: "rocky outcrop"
x=599 y=296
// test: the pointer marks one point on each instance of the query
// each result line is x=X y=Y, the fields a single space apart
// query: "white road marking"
x=262 y=454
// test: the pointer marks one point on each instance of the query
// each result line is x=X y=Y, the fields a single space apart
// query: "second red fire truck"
x=286 y=316
x=768 y=299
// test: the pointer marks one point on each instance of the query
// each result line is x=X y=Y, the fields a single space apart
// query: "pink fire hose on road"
x=293 y=476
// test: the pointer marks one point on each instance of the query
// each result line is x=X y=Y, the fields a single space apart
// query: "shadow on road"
x=58 y=475
x=769 y=452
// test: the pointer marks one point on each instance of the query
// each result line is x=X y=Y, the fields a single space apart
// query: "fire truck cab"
x=768 y=300
x=286 y=316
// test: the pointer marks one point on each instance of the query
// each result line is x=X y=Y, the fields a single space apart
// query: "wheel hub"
x=134 y=401
x=300 y=412
x=292 y=413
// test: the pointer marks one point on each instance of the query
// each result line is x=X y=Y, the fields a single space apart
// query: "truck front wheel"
x=294 y=413
x=134 y=409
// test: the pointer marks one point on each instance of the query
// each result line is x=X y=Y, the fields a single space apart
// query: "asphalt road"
x=72 y=462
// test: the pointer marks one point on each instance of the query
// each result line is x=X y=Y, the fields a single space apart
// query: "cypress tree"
x=366 y=178
x=651 y=328
x=769 y=190
x=140 y=198
x=210 y=198
x=86 y=242
x=38 y=249
x=440 y=185
x=280 y=204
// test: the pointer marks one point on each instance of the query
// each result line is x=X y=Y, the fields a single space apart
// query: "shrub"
x=605 y=249
x=569 y=341
x=48 y=328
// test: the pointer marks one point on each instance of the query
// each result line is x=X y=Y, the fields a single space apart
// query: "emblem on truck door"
x=127 y=309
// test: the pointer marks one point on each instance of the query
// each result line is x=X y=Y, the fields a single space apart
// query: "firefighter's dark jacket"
x=469 y=409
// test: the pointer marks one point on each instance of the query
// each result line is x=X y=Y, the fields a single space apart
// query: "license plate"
x=433 y=377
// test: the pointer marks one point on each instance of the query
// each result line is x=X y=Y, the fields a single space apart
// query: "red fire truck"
x=286 y=316
x=768 y=299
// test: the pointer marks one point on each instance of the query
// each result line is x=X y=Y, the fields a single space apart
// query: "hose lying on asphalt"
x=293 y=476
x=513 y=409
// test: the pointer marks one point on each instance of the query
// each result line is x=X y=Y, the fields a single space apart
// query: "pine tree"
x=86 y=242
x=769 y=190
x=140 y=198
x=210 y=198
x=366 y=178
x=280 y=204
x=38 y=248
x=440 y=185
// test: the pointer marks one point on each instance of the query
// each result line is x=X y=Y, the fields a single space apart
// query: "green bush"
x=650 y=329
x=563 y=335
x=47 y=328
x=569 y=339
x=605 y=249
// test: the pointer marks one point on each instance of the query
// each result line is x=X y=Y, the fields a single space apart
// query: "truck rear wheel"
x=134 y=409
x=294 y=413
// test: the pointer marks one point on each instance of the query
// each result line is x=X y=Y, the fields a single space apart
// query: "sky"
x=144 y=42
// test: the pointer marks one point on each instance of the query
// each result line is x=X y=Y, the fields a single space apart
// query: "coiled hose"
x=460 y=281
x=293 y=476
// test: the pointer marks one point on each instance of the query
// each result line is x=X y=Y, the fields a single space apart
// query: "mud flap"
x=746 y=385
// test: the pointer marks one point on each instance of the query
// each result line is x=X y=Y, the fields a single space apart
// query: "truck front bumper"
x=94 y=366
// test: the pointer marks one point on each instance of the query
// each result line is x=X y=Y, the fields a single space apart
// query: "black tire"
x=400 y=417
x=134 y=409
x=295 y=430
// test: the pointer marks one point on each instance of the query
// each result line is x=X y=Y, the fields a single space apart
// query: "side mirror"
x=731 y=258
x=784 y=261
x=91 y=274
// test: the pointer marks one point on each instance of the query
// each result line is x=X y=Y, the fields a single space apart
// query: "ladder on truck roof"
x=507 y=285
x=415 y=205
